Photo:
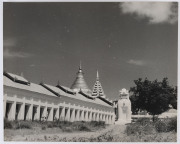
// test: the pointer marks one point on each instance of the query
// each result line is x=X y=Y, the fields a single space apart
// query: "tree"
x=134 y=104
x=173 y=99
x=153 y=96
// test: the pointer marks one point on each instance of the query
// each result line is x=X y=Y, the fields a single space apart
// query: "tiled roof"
x=49 y=90
x=18 y=77
x=32 y=87
x=78 y=96
x=66 y=89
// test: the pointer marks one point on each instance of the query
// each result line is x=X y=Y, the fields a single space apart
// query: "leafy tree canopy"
x=153 y=96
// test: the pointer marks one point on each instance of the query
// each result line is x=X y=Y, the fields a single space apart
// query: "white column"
x=93 y=116
x=106 y=121
x=57 y=114
x=82 y=115
x=44 y=115
x=112 y=122
x=12 y=112
x=62 y=114
x=30 y=112
x=97 y=117
x=103 y=117
x=21 y=112
x=113 y=118
x=37 y=113
x=90 y=116
x=85 y=115
x=4 y=103
x=72 y=115
x=67 y=114
x=77 y=115
x=50 y=118
x=110 y=119
x=100 y=117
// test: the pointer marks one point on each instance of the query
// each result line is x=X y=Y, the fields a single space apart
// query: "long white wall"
x=25 y=105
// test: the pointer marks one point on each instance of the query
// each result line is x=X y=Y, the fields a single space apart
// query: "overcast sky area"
x=124 y=41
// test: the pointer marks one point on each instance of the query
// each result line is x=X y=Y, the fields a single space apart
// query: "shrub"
x=67 y=129
x=50 y=125
x=132 y=129
x=43 y=128
x=23 y=125
x=161 y=126
x=97 y=123
x=142 y=127
x=66 y=122
x=173 y=124
x=7 y=124
x=166 y=125
x=143 y=121
x=84 y=128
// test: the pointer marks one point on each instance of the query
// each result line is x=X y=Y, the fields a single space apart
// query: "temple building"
x=24 y=100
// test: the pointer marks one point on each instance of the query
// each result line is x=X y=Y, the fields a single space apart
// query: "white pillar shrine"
x=124 y=108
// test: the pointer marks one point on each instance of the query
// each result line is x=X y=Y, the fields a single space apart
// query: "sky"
x=124 y=41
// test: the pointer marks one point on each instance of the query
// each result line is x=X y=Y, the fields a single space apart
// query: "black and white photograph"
x=86 y=71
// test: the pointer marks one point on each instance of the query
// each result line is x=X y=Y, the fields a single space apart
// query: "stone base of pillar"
x=122 y=122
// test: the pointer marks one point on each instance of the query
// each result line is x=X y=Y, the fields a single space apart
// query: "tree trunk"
x=153 y=117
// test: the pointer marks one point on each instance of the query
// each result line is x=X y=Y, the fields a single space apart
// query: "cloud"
x=156 y=12
x=136 y=62
x=32 y=65
x=10 y=54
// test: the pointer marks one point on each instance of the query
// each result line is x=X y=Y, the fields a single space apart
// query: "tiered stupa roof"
x=79 y=83
x=97 y=89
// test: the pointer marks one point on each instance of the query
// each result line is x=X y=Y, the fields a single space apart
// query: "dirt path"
x=108 y=134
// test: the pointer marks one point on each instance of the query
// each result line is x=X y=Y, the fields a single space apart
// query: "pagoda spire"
x=80 y=83
x=97 y=89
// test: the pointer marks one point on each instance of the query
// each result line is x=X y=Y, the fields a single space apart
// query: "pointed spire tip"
x=80 y=66
x=97 y=76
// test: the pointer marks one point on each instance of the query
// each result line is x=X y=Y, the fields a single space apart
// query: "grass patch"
x=166 y=125
x=144 y=130
x=17 y=124
x=64 y=125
